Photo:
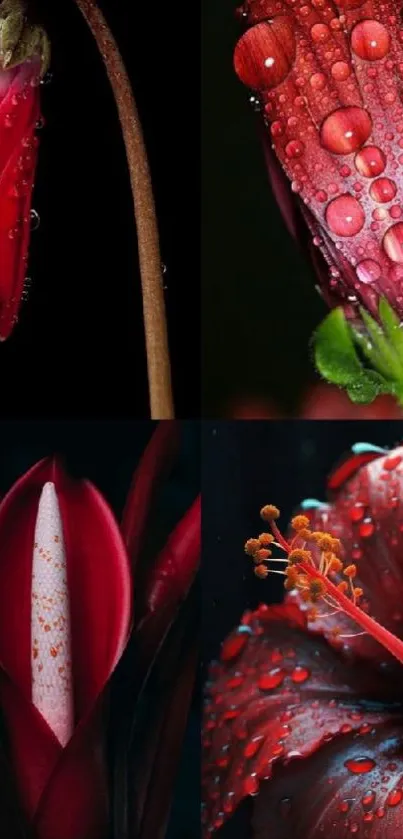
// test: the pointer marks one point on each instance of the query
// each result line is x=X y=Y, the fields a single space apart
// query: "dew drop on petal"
x=340 y=71
x=264 y=55
x=394 y=798
x=370 y=161
x=360 y=765
x=345 y=216
x=370 y=40
x=346 y=130
x=393 y=242
x=320 y=33
x=271 y=680
x=382 y=190
x=300 y=674
x=295 y=148
x=368 y=271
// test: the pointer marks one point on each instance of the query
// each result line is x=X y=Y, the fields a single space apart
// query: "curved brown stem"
x=155 y=327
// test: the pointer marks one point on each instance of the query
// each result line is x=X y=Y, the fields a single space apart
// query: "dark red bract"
x=311 y=722
x=328 y=75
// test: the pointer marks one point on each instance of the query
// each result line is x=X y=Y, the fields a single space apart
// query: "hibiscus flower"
x=303 y=710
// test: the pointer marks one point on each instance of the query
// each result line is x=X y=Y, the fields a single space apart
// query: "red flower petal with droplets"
x=352 y=788
x=63 y=791
x=328 y=77
x=19 y=113
x=367 y=514
x=278 y=695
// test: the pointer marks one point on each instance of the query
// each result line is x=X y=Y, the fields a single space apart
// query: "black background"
x=260 y=306
x=78 y=349
x=247 y=465
x=107 y=453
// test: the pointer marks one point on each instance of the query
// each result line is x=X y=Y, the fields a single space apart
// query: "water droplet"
x=345 y=130
x=382 y=190
x=367 y=528
x=394 y=798
x=320 y=33
x=264 y=55
x=393 y=242
x=254 y=746
x=370 y=161
x=360 y=765
x=317 y=81
x=356 y=513
x=295 y=148
x=300 y=674
x=340 y=71
x=272 y=679
x=35 y=220
x=368 y=271
x=368 y=799
x=370 y=40
x=345 y=216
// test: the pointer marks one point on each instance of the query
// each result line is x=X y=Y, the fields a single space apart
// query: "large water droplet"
x=370 y=40
x=368 y=271
x=340 y=71
x=360 y=765
x=382 y=190
x=345 y=130
x=264 y=55
x=345 y=216
x=393 y=242
x=300 y=674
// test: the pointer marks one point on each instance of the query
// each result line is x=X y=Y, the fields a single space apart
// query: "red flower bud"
x=63 y=791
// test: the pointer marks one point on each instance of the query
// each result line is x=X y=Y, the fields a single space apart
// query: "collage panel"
x=96 y=227
x=302 y=205
x=302 y=629
x=99 y=624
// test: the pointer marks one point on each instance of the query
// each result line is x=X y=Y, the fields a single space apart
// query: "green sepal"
x=20 y=40
x=338 y=362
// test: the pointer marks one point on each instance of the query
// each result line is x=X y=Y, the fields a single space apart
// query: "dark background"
x=260 y=306
x=247 y=465
x=78 y=349
x=107 y=453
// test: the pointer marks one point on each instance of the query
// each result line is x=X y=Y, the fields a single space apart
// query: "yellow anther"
x=269 y=512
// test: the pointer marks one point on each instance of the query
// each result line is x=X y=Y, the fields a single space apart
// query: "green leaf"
x=335 y=354
x=392 y=327
x=378 y=349
x=368 y=386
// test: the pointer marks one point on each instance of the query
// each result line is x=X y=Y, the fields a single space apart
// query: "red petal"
x=324 y=798
x=19 y=113
x=155 y=463
x=367 y=515
x=326 y=92
x=157 y=740
x=276 y=695
x=99 y=582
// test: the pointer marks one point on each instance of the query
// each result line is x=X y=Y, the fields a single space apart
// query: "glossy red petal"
x=19 y=113
x=100 y=591
x=158 y=743
x=350 y=788
x=167 y=586
x=154 y=465
x=327 y=402
x=328 y=79
x=277 y=695
x=367 y=515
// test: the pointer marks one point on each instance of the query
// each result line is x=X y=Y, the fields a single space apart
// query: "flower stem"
x=155 y=327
